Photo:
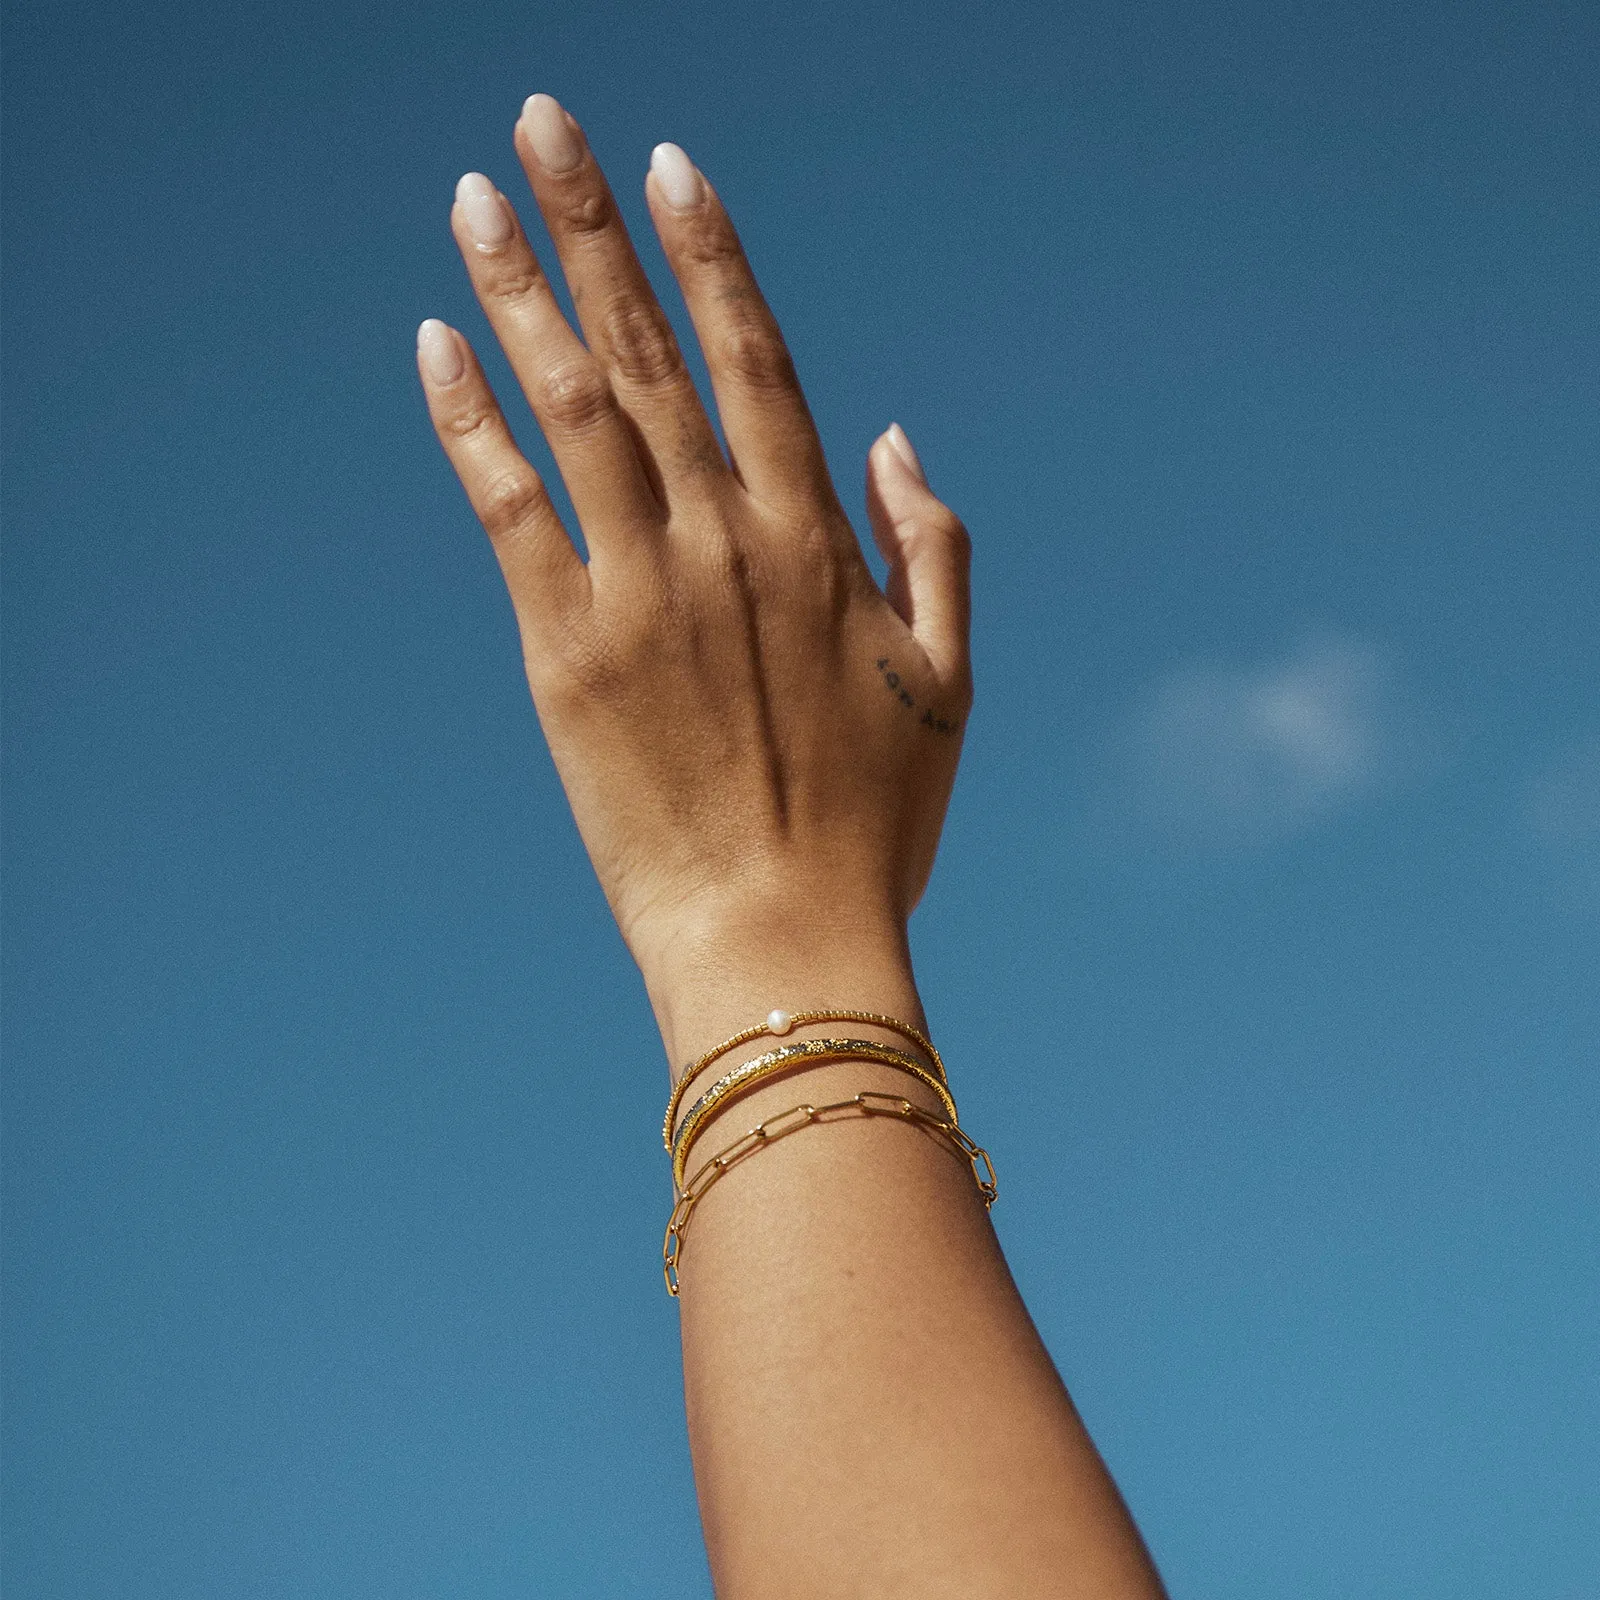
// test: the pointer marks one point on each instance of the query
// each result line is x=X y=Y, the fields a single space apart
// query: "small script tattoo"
x=897 y=687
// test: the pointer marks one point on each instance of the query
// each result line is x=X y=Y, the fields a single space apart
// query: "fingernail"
x=487 y=218
x=902 y=448
x=440 y=351
x=681 y=185
x=552 y=133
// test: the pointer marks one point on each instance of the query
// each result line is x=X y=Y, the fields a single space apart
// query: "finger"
x=769 y=430
x=542 y=569
x=574 y=405
x=928 y=552
x=617 y=309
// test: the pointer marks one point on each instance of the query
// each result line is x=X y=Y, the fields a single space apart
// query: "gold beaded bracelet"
x=809 y=1053
x=866 y=1104
x=781 y=1022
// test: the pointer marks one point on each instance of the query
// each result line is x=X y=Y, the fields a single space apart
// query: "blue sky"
x=1259 y=347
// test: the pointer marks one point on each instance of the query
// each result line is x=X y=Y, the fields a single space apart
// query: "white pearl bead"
x=779 y=1022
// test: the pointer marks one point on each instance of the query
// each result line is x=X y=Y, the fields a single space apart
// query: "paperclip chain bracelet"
x=867 y=1104
x=809 y=1052
x=779 y=1023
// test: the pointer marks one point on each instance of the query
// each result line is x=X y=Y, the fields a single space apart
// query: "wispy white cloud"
x=1229 y=754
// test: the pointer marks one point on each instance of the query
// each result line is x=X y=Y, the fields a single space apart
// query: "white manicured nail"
x=552 y=133
x=902 y=448
x=440 y=351
x=488 y=220
x=681 y=185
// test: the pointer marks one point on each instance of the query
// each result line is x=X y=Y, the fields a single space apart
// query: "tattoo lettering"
x=897 y=688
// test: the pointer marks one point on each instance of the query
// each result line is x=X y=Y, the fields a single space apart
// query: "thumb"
x=928 y=552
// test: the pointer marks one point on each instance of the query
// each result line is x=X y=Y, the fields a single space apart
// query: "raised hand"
x=759 y=743
x=755 y=738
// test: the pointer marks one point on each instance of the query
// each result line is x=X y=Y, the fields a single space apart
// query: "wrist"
x=713 y=979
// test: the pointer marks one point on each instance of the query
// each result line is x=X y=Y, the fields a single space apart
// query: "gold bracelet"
x=809 y=1052
x=867 y=1104
x=779 y=1023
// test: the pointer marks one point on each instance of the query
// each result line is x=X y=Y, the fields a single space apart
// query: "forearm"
x=871 y=1410
x=759 y=743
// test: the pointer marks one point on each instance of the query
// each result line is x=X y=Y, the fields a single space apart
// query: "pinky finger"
x=929 y=556
x=542 y=568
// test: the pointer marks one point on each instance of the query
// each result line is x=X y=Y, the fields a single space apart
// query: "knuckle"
x=514 y=280
x=641 y=343
x=509 y=501
x=721 y=564
x=756 y=355
x=475 y=416
x=813 y=544
x=585 y=212
x=586 y=669
x=939 y=526
x=574 y=396
x=715 y=245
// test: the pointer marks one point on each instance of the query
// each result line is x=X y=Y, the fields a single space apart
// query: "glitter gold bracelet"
x=807 y=1053
x=777 y=1024
x=866 y=1104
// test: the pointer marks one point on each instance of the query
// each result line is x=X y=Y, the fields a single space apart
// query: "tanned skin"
x=758 y=742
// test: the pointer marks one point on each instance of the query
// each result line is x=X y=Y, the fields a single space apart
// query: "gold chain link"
x=869 y=1103
x=807 y=1053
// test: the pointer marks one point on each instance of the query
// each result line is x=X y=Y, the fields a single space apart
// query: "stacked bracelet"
x=867 y=1104
x=808 y=1053
x=781 y=1022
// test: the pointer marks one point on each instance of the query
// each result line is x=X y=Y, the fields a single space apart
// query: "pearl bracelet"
x=779 y=1023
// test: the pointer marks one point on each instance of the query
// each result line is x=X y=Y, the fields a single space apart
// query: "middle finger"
x=621 y=318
